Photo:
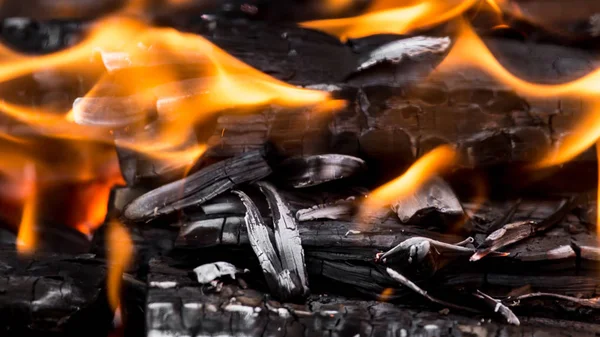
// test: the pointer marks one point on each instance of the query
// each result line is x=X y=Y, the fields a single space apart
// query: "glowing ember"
x=386 y=294
x=26 y=238
x=119 y=252
x=385 y=16
x=434 y=162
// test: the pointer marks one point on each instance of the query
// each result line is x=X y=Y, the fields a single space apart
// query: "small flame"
x=385 y=16
x=434 y=162
x=26 y=238
x=120 y=252
x=386 y=294
x=470 y=51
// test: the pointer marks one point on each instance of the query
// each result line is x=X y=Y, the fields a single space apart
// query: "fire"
x=386 y=294
x=470 y=51
x=434 y=162
x=26 y=238
x=385 y=16
x=222 y=82
x=119 y=253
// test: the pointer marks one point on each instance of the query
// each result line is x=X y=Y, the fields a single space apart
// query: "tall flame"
x=434 y=162
x=222 y=82
x=386 y=16
x=26 y=238
x=119 y=252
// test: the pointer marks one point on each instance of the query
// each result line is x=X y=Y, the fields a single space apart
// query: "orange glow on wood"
x=26 y=237
x=120 y=253
x=432 y=163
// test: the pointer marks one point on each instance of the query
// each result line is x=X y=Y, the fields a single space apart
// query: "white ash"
x=209 y=272
x=163 y=285
x=414 y=47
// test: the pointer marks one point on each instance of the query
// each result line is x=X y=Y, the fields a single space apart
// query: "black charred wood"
x=53 y=295
x=200 y=186
x=178 y=305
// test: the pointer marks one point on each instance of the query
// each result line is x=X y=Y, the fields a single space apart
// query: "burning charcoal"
x=410 y=48
x=314 y=170
x=287 y=236
x=433 y=198
x=285 y=283
x=517 y=231
x=208 y=272
x=199 y=186
x=339 y=210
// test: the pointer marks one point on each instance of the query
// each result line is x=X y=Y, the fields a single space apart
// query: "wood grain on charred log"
x=53 y=295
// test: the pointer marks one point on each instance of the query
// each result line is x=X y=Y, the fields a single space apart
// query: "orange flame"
x=470 y=51
x=222 y=82
x=385 y=16
x=120 y=252
x=386 y=294
x=598 y=191
x=26 y=238
x=434 y=162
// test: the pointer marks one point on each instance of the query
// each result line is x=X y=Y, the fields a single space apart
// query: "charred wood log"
x=200 y=186
x=53 y=295
x=177 y=304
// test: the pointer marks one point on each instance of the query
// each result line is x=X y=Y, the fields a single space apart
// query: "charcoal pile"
x=299 y=168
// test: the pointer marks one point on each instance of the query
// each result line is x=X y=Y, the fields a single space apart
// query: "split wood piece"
x=186 y=308
x=199 y=187
x=287 y=236
x=50 y=295
x=314 y=170
x=517 y=231
x=280 y=270
x=434 y=199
